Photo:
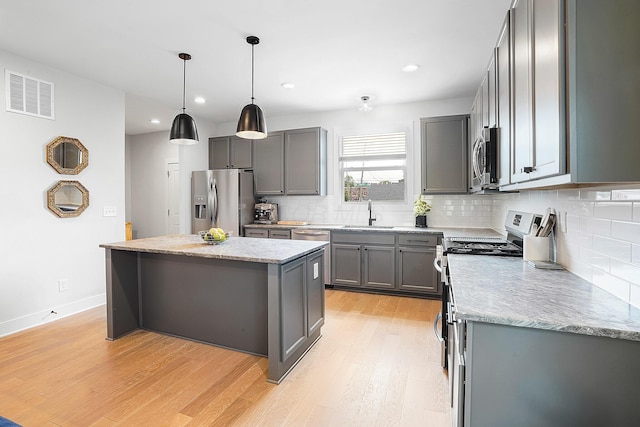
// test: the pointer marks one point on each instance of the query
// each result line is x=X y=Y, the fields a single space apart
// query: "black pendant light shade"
x=183 y=130
x=251 y=124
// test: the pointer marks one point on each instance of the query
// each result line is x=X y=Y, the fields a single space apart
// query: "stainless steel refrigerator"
x=222 y=198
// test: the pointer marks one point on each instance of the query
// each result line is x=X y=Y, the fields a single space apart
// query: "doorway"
x=173 y=197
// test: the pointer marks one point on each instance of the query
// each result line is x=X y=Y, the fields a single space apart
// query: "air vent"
x=27 y=95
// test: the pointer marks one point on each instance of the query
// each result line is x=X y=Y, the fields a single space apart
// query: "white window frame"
x=409 y=168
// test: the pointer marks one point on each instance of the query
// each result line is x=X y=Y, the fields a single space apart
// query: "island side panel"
x=222 y=302
x=290 y=332
x=123 y=308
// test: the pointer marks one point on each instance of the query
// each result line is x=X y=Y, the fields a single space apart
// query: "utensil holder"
x=536 y=248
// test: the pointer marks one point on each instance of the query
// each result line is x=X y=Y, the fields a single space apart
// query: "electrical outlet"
x=109 y=211
x=63 y=285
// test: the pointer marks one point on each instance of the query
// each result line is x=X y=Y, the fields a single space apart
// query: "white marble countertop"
x=268 y=251
x=509 y=291
x=446 y=231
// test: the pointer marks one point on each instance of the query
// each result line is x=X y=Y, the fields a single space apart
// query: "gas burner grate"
x=488 y=240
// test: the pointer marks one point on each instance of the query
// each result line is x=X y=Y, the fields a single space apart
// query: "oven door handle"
x=435 y=327
x=437 y=265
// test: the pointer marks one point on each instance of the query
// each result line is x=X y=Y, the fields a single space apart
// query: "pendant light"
x=183 y=129
x=251 y=124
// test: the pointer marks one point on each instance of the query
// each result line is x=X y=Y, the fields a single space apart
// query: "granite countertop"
x=268 y=251
x=509 y=291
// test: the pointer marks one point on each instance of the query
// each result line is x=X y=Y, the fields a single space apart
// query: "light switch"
x=109 y=211
x=315 y=270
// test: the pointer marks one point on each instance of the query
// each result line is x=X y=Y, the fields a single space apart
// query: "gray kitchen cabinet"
x=538 y=144
x=379 y=267
x=534 y=377
x=399 y=263
x=230 y=152
x=268 y=233
x=346 y=265
x=415 y=255
x=305 y=152
x=574 y=115
x=261 y=233
x=444 y=155
x=363 y=259
x=492 y=93
x=268 y=167
x=291 y=163
x=503 y=89
x=275 y=233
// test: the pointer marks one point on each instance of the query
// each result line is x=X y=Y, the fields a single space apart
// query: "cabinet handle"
x=528 y=169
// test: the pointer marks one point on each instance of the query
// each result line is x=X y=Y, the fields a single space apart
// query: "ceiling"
x=334 y=51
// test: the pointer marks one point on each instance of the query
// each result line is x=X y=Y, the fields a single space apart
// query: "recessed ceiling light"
x=288 y=85
x=410 y=68
x=199 y=100
x=155 y=121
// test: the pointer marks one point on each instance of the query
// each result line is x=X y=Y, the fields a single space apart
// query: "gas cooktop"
x=517 y=225
x=481 y=246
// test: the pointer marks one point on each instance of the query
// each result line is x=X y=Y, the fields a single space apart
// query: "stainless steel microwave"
x=484 y=161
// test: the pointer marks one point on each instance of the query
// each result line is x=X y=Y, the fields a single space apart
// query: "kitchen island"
x=259 y=296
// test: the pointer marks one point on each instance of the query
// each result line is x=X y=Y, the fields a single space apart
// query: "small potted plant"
x=420 y=209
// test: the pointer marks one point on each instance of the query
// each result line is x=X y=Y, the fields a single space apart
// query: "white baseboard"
x=39 y=318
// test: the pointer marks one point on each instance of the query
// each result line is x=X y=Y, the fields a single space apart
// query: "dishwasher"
x=318 y=235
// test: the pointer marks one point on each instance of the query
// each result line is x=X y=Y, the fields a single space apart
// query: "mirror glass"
x=67 y=155
x=67 y=199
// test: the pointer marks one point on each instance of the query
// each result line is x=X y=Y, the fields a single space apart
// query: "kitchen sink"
x=373 y=227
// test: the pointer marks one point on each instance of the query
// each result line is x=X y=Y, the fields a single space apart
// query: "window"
x=374 y=167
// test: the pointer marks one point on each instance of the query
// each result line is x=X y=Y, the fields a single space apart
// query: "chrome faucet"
x=371 y=219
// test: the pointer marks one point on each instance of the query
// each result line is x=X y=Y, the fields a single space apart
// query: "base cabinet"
x=517 y=376
x=346 y=263
x=400 y=263
x=379 y=267
x=414 y=272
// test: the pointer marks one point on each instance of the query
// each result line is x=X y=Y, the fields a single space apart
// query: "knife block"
x=536 y=248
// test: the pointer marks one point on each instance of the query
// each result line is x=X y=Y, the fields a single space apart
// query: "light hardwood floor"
x=377 y=364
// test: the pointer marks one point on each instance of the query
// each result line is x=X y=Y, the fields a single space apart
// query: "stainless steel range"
x=517 y=225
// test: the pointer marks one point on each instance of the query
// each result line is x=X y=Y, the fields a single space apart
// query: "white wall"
x=474 y=211
x=600 y=238
x=39 y=248
x=147 y=179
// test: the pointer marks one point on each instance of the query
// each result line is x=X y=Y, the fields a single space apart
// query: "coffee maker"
x=265 y=213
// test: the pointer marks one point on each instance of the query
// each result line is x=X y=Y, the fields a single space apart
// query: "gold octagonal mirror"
x=67 y=155
x=67 y=199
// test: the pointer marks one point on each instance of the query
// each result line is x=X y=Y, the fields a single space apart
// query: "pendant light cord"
x=252 y=66
x=184 y=85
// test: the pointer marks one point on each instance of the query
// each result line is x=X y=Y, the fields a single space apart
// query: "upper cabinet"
x=230 y=152
x=444 y=155
x=566 y=96
x=502 y=55
x=268 y=170
x=538 y=89
x=291 y=163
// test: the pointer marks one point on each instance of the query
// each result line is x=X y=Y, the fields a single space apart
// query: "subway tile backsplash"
x=600 y=240
x=598 y=237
